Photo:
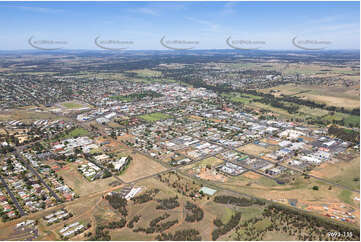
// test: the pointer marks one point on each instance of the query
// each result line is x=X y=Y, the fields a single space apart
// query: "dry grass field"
x=253 y=149
x=141 y=166
x=27 y=115
x=332 y=96
x=80 y=184
x=346 y=173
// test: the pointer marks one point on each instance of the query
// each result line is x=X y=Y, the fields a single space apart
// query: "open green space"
x=240 y=98
x=77 y=132
x=350 y=176
x=345 y=196
x=72 y=105
x=146 y=73
x=153 y=117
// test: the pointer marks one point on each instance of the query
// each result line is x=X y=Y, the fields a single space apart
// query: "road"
x=17 y=205
x=20 y=157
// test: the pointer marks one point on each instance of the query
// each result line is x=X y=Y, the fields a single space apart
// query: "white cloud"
x=39 y=10
x=228 y=8
x=148 y=11
x=210 y=26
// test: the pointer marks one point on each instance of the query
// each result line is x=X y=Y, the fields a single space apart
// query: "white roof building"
x=120 y=163
x=310 y=159
x=291 y=134
x=132 y=193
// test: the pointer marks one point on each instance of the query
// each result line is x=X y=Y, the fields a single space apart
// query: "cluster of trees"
x=38 y=147
x=117 y=224
x=6 y=149
x=180 y=184
x=307 y=226
x=100 y=234
x=225 y=228
x=166 y=225
x=145 y=197
x=251 y=232
x=134 y=220
x=217 y=222
x=168 y=203
x=61 y=135
x=242 y=202
x=180 y=235
x=344 y=134
x=118 y=202
x=158 y=219
x=274 y=102
x=103 y=235
x=156 y=226
x=11 y=139
x=196 y=212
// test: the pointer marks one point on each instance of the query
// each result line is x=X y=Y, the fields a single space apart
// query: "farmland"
x=337 y=96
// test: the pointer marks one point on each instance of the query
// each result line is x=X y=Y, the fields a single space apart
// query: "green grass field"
x=122 y=98
x=153 y=117
x=250 y=212
x=350 y=176
x=240 y=98
x=350 y=120
x=76 y=133
x=264 y=181
x=147 y=73
x=72 y=105
x=227 y=214
x=345 y=196
x=263 y=224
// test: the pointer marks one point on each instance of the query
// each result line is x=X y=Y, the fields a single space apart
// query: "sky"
x=197 y=25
